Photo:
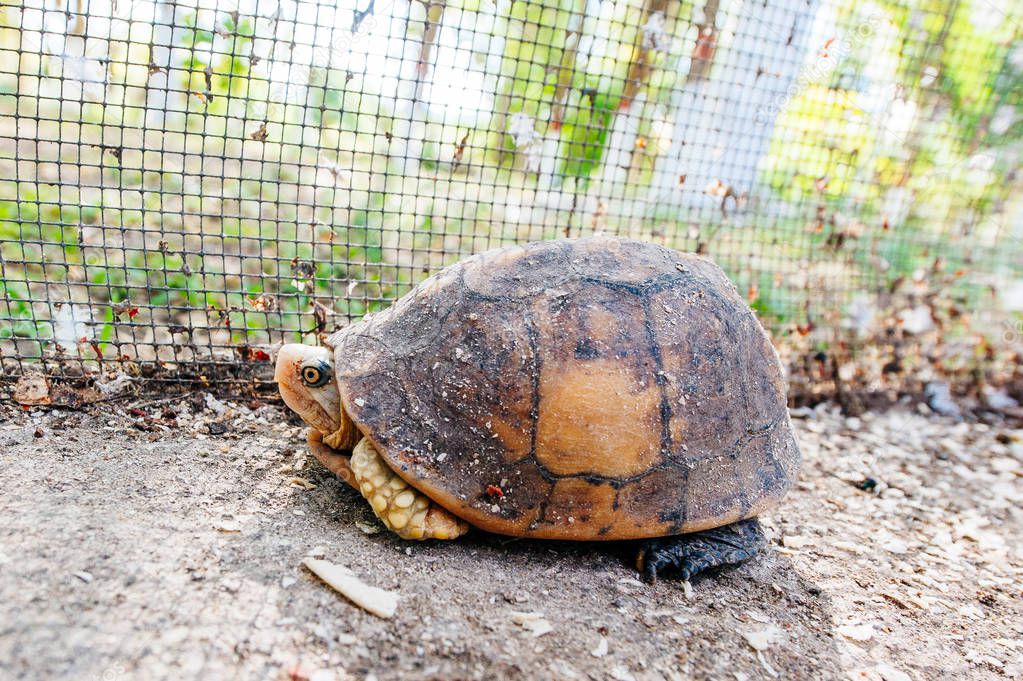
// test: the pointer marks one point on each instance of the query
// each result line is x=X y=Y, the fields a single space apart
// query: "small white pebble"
x=622 y=674
x=229 y=526
x=857 y=632
x=795 y=541
x=534 y=622
x=761 y=639
x=890 y=673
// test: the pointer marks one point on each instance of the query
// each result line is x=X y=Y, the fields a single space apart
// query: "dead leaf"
x=32 y=389
x=260 y=134
x=460 y=148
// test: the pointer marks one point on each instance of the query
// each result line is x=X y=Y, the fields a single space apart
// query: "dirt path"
x=174 y=552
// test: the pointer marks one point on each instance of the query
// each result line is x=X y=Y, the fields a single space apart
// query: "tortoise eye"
x=315 y=375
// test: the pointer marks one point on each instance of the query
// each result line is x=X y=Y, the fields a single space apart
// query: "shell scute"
x=600 y=407
x=704 y=385
x=516 y=272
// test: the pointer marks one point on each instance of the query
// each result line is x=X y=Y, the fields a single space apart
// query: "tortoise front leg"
x=336 y=463
x=690 y=554
x=402 y=508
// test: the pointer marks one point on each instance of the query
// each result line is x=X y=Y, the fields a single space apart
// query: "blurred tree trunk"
x=641 y=149
x=643 y=52
x=566 y=71
x=434 y=16
x=706 y=43
x=537 y=67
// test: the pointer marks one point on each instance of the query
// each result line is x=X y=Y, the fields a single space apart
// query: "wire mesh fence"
x=185 y=185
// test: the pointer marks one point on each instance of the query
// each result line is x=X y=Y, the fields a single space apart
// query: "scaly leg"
x=336 y=463
x=690 y=554
x=401 y=507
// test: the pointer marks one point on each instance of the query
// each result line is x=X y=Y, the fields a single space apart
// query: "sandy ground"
x=165 y=540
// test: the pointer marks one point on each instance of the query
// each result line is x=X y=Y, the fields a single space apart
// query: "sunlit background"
x=185 y=185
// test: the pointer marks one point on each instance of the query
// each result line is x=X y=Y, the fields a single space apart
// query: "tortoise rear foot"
x=687 y=555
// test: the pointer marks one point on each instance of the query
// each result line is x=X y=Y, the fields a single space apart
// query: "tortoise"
x=577 y=389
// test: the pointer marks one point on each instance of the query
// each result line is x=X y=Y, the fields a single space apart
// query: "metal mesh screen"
x=185 y=184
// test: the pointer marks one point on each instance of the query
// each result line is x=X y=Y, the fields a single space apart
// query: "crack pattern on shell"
x=609 y=388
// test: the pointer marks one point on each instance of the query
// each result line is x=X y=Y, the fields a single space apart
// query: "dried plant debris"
x=934 y=542
x=914 y=575
x=914 y=337
x=32 y=389
x=35 y=389
x=372 y=599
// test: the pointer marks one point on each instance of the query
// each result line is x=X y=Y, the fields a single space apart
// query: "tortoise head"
x=305 y=377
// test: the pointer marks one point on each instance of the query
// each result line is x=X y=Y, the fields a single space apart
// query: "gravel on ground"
x=165 y=540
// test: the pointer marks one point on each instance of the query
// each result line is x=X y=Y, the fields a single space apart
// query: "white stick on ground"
x=378 y=601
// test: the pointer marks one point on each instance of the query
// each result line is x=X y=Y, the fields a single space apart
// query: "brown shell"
x=596 y=388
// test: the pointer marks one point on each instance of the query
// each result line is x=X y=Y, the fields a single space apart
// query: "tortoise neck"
x=345 y=437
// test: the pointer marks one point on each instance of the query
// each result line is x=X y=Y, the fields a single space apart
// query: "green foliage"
x=15 y=300
x=214 y=238
x=928 y=143
x=819 y=131
x=586 y=131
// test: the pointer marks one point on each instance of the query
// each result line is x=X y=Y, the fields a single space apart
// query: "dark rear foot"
x=687 y=555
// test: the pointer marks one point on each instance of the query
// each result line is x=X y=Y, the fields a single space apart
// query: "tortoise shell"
x=596 y=388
